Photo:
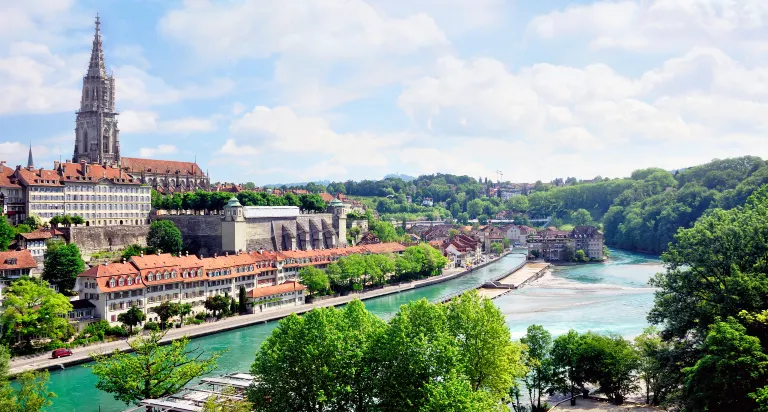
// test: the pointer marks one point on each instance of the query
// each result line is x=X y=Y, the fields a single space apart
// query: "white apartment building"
x=101 y=195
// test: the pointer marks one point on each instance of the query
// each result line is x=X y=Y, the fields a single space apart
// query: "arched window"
x=121 y=282
x=130 y=281
x=111 y=283
x=199 y=273
x=150 y=277
x=173 y=274
x=185 y=274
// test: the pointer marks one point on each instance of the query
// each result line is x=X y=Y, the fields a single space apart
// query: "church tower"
x=97 y=138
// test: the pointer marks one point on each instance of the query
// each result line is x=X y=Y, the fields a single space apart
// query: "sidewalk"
x=82 y=354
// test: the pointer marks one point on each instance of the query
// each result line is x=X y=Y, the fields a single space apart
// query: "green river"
x=607 y=297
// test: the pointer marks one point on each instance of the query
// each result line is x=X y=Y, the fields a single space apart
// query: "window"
x=121 y=282
x=130 y=281
x=138 y=279
x=111 y=283
x=150 y=277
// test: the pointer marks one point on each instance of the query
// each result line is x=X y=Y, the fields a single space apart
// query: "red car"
x=58 y=353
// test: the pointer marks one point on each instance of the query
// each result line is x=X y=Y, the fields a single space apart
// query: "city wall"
x=94 y=238
x=201 y=234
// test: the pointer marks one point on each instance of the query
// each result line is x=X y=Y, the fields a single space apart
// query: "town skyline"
x=466 y=89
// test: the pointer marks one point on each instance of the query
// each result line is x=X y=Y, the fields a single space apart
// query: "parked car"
x=58 y=353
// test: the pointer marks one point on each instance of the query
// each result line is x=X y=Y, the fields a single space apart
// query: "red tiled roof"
x=7 y=178
x=39 y=234
x=274 y=290
x=17 y=259
x=137 y=165
x=326 y=197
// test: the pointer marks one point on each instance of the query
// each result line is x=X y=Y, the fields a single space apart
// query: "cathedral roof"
x=137 y=165
x=97 y=67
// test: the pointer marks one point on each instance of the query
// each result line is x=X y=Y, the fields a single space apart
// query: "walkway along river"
x=75 y=385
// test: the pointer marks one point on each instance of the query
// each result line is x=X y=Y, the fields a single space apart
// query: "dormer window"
x=150 y=277
x=138 y=279
x=111 y=283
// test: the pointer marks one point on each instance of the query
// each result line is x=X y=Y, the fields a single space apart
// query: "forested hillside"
x=641 y=212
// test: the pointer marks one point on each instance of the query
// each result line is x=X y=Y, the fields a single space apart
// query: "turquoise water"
x=602 y=297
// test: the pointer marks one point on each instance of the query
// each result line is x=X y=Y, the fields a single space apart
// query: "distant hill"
x=405 y=178
x=317 y=182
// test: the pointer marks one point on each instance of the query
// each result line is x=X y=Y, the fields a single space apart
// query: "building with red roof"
x=147 y=281
x=15 y=264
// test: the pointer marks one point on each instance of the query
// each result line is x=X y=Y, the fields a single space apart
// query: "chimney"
x=226 y=254
x=141 y=253
x=56 y=165
x=186 y=253
x=2 y=163
x=123 y=260
x=67 y=161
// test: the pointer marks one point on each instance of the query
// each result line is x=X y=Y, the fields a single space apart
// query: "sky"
x=298 y=90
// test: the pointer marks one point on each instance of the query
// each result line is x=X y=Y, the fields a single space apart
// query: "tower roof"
x=30 y=163
x=97 y=67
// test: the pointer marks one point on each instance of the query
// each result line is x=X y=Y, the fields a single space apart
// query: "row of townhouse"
x=147 y=281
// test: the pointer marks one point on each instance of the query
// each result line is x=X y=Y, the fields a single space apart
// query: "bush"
x=200 y=316
x=153 y=326
x=194 y=321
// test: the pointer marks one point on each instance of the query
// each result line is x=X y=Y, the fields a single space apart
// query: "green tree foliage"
x=131 y=251
x=428 y=357
x=385 y=231
x=654 y=354
x=131 y=318
x=242 y=301
x=581 y=217
x=419 y=261
x=580 y=256
x=314 y=279
x=33 y=221
x=318 y=361
x=611 y=363
x=62 y=264
x=539 y=363
x=497 y=248
x=567 y=373
x=32 y=309
x=152 y=371
x=6 y=233
x=166 y=311
x=22 y=228
x=32 y=394
x=165 y=236
x=218 y=304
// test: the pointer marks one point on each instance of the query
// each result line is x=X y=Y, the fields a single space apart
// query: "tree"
x=133 y=317
x=152 y=371
x=482 y=219
x=582 y=217
x=317 y=361
x=312 y=203
x=78 y=220
x=217 y=304
x=232 y=306
x=22 y=228
x=32 y=394
x=164 y=235
x=242 y=301
x=33 y=221
x=653 y=352
x=55 y=221
x=314 y=279
x=32 y=309
x=497 y=248
x=489 y=359
x=131 y=251
x=463 y=218
x=6 y=233
x=62 y=264
x=610 y=362
x=185 y=309
x=165 y=311
x=733 y=365
x=538 y=361
x=580 y=256
x=455 y=394
x=568 y=372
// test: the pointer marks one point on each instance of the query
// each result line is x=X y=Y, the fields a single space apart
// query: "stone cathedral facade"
x=97 y=136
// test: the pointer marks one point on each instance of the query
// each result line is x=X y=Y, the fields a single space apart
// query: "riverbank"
x=515 y=279
x=82 y=354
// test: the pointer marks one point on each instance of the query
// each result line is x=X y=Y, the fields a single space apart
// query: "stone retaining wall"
x=94 y=238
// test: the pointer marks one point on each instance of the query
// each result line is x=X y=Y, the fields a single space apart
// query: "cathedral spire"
x=30 y=163
x=97 y=67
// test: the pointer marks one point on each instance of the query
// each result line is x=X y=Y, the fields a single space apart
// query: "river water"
x=608 y=297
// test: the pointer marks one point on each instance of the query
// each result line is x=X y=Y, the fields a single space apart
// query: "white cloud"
x=137 y=122
x=231 y=148
x=140 y=89
x=162 y=149
x=327 y=51
x=656 y=25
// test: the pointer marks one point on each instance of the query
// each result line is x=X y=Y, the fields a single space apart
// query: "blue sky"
x=300 y=90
